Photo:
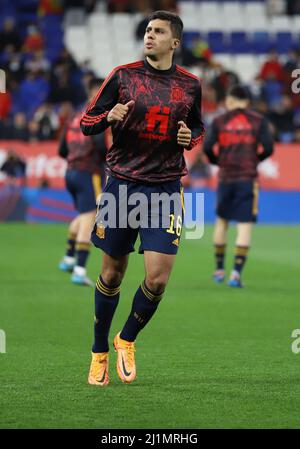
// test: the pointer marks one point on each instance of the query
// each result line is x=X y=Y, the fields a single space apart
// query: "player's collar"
x=157 y=71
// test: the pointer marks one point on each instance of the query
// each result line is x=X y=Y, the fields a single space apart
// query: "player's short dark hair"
x=175 y=21
x=95 y=82
x=238 y=92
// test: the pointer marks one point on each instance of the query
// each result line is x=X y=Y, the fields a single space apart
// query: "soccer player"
x=84 y=175
x=154 y=107
x=238 y=133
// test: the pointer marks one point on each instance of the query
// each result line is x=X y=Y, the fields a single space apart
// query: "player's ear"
x=175 y=44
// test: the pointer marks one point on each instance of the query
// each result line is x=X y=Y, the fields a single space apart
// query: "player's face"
x=158 y=39
x=232 y=103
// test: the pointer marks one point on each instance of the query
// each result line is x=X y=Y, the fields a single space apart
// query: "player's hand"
x=119 y=111
x=184 y=135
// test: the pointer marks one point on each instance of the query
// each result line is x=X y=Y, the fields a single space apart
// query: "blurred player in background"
x=84 y=177
x=154 y=108
x=238 y=134
x=15 y=169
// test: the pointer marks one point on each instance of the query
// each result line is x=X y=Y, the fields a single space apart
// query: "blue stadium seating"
x=51 y=27
x=261 y=42
x=189 y=37
x=283 y=41
x=216 y=42
x=239 y=43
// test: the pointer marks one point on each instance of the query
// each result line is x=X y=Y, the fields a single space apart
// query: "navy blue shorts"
x=238 y=201
x=119 y=239
x=84 y=187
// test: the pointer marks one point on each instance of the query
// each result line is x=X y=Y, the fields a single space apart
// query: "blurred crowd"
x=42 y=94
x=271 y=91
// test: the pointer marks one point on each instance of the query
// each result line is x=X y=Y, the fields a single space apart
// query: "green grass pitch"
x=212 y=357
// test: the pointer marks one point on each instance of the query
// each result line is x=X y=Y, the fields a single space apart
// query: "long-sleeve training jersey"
x=82 y=153
x=238 y=134
x=145 y=147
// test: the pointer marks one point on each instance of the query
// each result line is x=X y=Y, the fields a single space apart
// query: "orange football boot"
x=125 y=363
x=98 y=374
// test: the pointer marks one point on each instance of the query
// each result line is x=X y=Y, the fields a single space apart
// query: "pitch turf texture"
x=212 y=357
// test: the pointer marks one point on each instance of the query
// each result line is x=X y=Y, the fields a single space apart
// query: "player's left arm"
x=266 y=139
x=191 y=133
x=63 y=149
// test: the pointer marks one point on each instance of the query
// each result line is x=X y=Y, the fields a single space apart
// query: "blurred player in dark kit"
x=84 y=178
x=238 y=133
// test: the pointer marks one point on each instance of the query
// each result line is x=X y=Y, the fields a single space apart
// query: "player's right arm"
x=104 y=110
x=210 y=140
x=94 y=120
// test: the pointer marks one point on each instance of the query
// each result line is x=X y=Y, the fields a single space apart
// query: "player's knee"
x=112 y=276
x=156 y=283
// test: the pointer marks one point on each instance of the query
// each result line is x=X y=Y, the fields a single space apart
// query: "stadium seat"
x=280 y=23
x=191 y=23
x=136 y=18
x=226 y=60
x=254 y=9
x=234 y=23
x=123 y=34
x=211 y=15
x=217 y=42
x=246 y=67
x=97 y=34
x=102 y=47
x=82 y=53
x=256 y=23
x=209 y=9
x=187 y=8
x=232 y=7
x=295 y=24
x=261 y=42
x=121 y=20
x=98 y=19
x=239 y=42
x=189 y=37
x=283 y=41
x=125 y=57
x=76 y=40
x=52 y=29
x=211 y=22
x=233 y=15
x=74 y=16
x=104 y=65
x=124 y=46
